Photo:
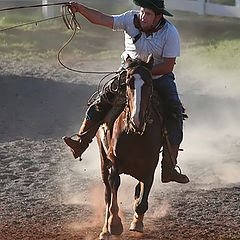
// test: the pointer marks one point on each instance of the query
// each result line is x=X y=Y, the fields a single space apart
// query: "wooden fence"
x=205 y=7
x=202 y=7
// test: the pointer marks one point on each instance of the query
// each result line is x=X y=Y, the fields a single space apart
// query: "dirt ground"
x=45 y=194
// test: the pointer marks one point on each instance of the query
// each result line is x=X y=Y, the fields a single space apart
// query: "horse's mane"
x=137 y=63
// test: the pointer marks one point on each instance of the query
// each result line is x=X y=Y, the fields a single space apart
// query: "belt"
x=156 y=76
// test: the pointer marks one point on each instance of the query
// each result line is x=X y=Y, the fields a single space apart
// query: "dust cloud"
x=211 y=139
x=211 y=134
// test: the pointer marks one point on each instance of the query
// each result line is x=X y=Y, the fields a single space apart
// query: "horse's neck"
x=156 y=111
x=124 y=119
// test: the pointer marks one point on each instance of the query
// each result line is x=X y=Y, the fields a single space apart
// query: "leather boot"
x=169 y=173
x=86 y=133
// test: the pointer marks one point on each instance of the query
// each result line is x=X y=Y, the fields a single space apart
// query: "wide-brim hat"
x=155 y=5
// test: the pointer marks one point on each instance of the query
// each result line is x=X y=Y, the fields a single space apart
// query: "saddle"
x=120 y=102
x=118 y=88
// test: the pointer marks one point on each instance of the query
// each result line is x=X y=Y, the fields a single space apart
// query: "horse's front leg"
x=114 y=221
x=142 y=191
x=105 y=234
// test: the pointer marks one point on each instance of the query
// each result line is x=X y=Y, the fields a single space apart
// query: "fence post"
x=202 y=7
x=237 y=3
x=47 y=11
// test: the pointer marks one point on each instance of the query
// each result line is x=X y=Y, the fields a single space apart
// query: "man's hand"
x=73 y=7
x=93 y=15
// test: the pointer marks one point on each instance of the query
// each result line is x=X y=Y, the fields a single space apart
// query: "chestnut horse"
x=131 y=146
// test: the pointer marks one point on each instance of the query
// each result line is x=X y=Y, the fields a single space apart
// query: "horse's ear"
x=128 y=60
x=150 y=61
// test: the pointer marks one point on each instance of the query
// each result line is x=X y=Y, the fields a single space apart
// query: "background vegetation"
x=225 y=2
x=207 y=41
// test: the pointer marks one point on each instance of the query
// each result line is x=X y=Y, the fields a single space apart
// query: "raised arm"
x=94 y=16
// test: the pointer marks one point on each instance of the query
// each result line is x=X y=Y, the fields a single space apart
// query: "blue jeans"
x=167 y=90
x=99 y=109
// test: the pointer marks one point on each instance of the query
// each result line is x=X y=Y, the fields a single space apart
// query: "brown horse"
x=131 y=146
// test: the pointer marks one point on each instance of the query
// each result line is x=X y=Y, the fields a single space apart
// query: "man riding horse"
x=146 y=32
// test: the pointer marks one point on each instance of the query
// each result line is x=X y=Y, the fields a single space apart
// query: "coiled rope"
x=74 y=25
x=71 y=24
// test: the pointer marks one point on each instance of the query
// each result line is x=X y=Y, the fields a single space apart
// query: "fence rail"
x=203 y=7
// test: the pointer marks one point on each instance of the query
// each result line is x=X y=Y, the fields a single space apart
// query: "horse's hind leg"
x=114 y=221
x=142 y=191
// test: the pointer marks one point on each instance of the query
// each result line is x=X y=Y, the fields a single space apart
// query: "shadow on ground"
x=40 y=108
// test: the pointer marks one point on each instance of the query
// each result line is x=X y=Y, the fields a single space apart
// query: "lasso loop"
x=73 y=25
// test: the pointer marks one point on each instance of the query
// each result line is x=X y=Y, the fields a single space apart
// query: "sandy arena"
x=46 y=195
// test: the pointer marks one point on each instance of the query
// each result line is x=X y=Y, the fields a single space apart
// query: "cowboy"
x=146 y=32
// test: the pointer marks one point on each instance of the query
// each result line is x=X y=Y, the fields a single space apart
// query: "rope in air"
x=28 y=23
x=74 y=25
x=71 y=24
x=33 y=6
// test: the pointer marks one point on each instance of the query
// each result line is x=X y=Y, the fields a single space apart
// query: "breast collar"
x=136 y=22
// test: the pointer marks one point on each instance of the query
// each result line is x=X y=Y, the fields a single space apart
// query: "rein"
x=131 y=125
x=147 y=119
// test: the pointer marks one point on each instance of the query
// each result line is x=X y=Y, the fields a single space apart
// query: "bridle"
x=130 y=124
x=146 y=118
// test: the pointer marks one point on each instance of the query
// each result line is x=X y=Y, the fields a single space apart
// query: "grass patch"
x=105 y=55
x=225 y=2
x=213 y=65
x=207 y=41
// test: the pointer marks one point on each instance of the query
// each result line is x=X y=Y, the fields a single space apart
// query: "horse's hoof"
x=105 y=236
x=115 y=225
x=116 y=229
x=136 y=226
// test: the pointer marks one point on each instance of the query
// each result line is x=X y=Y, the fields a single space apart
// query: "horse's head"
x=139 y=91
